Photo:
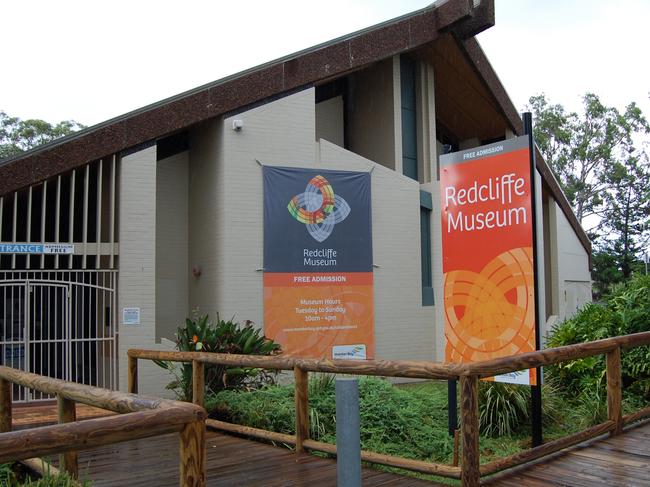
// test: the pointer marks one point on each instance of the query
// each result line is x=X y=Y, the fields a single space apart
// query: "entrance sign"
x=487 y=248
x=31 y=248
x=318 y=280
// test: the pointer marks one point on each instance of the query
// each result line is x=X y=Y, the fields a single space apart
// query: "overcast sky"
x=91 y=61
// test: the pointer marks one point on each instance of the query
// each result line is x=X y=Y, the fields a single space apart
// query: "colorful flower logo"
x=319 y=208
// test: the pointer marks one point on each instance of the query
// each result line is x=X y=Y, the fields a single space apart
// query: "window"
x=409 y=118
x=426 y=205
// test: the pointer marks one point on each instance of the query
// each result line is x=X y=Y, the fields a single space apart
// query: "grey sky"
x=91 y=61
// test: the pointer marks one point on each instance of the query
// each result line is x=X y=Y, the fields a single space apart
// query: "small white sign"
x=130 y=316
x=518 y=377
x=58 y=248
x=349 y=352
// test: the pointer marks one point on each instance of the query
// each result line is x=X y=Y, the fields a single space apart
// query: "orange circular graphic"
x=491 y=314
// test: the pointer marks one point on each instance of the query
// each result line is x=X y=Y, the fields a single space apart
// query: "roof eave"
x=297 y=70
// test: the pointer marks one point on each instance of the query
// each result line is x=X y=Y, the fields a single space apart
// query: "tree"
x=605 y=272
x=601 y=164
x=582 y=149
x=18 y=135
x=626 y=217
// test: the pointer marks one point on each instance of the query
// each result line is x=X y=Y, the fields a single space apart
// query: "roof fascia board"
x=304 y=68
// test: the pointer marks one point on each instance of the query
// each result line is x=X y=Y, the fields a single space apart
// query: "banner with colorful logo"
x=318 y=281
x=487 y=249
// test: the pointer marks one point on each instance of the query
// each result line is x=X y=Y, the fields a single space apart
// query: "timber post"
x=192 y=454
x=614 y=390
x=302 y=407
x=5 y=405
x=68 y=414
x=470 y=470
x=133 y=374
x=198 y=382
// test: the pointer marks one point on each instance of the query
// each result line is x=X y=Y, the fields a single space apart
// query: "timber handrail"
x=469 y=375
x=140 y=417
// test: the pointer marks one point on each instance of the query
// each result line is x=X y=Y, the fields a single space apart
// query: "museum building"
x=111 y=237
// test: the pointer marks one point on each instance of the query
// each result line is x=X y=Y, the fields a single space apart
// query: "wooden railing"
x=470 y=470
x=141 y=417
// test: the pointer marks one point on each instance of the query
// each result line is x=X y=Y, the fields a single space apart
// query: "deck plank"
x=620 y=461
x=230 y=462
x=611 y=462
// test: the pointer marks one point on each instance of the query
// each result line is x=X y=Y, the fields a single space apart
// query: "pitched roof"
x=302 y=69
x=465 y=18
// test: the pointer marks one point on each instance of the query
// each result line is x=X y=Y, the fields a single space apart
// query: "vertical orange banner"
x=487 y=248
x=318 y=280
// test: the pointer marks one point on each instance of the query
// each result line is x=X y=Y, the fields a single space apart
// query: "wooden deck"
x=231 y=462
x=620 y=461
x=41 y=414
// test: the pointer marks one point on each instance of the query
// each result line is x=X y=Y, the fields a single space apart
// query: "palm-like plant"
x=201 y=335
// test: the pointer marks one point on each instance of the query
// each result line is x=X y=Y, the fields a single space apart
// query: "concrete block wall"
x=137 y=266
x=278 y=133
x=172 y=268
x=207 y=214
x=230 y=228
x=571 y=279
x=404 y=329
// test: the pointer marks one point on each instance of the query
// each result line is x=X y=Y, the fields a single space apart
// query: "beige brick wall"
x=374 y=124
x=404 y=329
x=137 y=266
x=282 y=133
x=571 y=286
x=207 y=217
x=172 y=269
x=329 y=120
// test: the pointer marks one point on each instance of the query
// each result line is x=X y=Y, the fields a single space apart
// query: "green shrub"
x=626 y=310
x=405 y=421
x=61 y=480
x=201 y=335
x=7 y=475
x=504 y=409
x=9 y=478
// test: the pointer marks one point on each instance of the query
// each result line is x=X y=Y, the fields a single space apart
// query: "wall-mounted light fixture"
x=237 y=125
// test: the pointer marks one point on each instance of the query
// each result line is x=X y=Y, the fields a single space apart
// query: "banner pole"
x=536 y=390
x=452 y=406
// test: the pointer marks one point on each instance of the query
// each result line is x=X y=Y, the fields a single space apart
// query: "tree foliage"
x=627 y=310
x=582 y=149
x=18 y=135
x=601 y=163
x=626 y=216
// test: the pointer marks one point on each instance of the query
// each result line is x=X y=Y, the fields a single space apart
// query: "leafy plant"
x=627 y=310
x=201 y=335
x=404 y=421
x=10 y=478
x=60 y=480
x=502 y=408
x=592 y=406
x=7 y=475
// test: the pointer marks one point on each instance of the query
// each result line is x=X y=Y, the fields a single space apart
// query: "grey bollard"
x=348 y=439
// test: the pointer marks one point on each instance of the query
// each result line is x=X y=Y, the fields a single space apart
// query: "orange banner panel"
x=309 y=319
x=487 y=240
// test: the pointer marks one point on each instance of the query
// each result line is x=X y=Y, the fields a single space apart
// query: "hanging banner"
x=487 y=248
x=318 y=281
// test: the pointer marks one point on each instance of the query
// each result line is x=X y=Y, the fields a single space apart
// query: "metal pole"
x=536 y=390
x=348 y=438
x=452 y=406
